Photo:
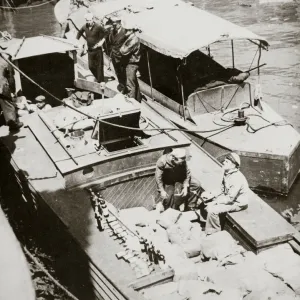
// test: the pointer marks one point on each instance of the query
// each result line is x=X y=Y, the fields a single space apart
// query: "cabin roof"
x=34 y=46
x=171 y=27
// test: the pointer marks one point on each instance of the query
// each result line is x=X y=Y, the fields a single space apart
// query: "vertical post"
x=258 y=60
x=17 y=78
x=75 y=66
x=149 y=71
x=208 y=49
x=232 y=53
x=181 y=88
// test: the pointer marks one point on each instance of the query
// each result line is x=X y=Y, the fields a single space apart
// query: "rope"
x=223 y=129
x=48 y=274
x=24 y=7
x=96 y=119
x=253 y=60
x=279 y=123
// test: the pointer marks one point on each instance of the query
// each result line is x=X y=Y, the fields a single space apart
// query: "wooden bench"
x=259 y=227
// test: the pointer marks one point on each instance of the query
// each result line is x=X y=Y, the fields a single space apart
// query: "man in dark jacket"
x=130 y=51
x=95 y=36
x=175 y=184
x=7 y=90
x=116 y=39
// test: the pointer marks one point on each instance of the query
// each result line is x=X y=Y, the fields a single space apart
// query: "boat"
x=79 y=167
x=65 y=154
x=180 y=78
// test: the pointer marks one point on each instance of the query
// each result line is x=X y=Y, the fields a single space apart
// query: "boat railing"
x=219 y=98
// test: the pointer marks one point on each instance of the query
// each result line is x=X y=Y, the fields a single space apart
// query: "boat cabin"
x=49 y=65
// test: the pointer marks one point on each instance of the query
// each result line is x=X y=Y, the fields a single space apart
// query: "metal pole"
x=181 y=88
x=232 y=53
x=258 y=60
x=150 y=77
x=18 y=49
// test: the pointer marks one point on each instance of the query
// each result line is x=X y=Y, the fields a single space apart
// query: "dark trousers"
x=95 y=58
x=132 y=85
x=9 y=110
x=120 y=73
x=190 y=201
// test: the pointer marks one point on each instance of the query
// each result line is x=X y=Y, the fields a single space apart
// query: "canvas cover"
x=35 y=46
x=173 y=28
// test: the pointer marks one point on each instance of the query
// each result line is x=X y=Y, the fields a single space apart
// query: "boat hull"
x=265 y=173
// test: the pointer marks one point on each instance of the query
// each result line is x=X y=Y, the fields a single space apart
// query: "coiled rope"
x=102 y=121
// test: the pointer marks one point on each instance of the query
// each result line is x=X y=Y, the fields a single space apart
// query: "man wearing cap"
x=95 y=36
x=7 y=92
x=131 y=55
x=116 y=39
x=41 y=104
x=233 y=196
x=175 y=184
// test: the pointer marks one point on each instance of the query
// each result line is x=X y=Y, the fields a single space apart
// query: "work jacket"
x=168 y=173
x=131 y=49
x=116 y=40
x=235 y=187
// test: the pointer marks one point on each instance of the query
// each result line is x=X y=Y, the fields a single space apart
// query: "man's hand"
x=99 y=44
x=184 y=192
x=159 y=207
x=206 y=196
x=163 y=195
x=82 y=50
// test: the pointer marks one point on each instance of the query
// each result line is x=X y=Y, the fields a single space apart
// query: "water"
x=278 y=22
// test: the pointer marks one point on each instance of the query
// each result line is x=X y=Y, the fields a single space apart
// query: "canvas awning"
x=34 y=46
x=171 y=27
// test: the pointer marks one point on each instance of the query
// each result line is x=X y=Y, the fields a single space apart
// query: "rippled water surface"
x=278 y=22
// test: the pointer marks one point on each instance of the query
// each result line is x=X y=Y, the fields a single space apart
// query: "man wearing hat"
x=175 y=184
x=116 y=39
x=131 y=55
x=233 y=196
x=95 y=36
x=40 y=102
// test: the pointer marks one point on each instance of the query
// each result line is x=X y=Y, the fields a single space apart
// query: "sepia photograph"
x=150 y=149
